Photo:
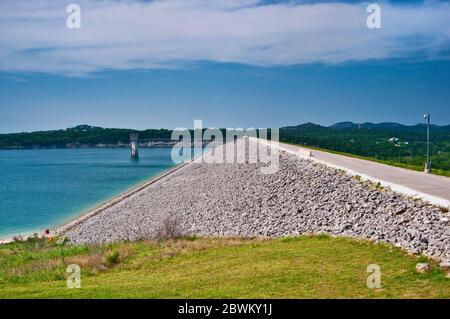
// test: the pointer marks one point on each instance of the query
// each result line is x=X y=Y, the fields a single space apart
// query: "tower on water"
x=134 y=141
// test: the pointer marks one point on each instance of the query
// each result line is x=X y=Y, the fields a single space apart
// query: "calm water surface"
x=42 y=189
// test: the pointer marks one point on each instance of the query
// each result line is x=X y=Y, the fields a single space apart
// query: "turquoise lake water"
x=42 y=189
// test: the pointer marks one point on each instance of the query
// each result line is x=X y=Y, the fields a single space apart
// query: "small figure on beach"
x=48 y=235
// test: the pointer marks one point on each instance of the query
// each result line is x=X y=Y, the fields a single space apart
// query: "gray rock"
x=445 y=264
x=423 y=267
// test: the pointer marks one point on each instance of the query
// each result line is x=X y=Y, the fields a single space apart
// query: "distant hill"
x=388 y=126
x=307 y=133
x=307 y=125
x=78 y=136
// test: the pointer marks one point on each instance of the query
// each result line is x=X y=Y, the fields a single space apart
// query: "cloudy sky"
x=144 y=64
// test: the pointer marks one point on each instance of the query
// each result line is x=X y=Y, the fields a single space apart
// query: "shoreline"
x=98 y=208
x=120 y=197
x=74 y=221
x=117 y=199
x=75 y=216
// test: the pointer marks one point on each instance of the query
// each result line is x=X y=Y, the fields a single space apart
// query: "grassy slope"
x=301 y=267
x=373 y=159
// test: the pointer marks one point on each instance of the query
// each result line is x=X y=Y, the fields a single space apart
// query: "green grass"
x=410 y=166
x=293 y=267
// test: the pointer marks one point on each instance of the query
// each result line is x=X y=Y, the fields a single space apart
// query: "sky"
x=234 y=63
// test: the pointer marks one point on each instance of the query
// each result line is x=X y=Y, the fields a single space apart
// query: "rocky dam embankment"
x=303 y=197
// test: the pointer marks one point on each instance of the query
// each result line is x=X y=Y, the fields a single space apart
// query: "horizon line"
x=171 y=129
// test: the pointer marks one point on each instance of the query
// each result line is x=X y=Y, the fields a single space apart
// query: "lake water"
x=42 y=189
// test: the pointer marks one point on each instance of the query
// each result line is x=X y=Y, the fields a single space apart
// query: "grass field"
x=297 y=267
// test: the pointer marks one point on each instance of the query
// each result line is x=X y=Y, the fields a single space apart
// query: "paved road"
x=407 y=181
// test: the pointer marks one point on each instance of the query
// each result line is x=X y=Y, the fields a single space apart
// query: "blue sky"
x=237 y=63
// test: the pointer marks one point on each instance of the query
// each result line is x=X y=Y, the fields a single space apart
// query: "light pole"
x=428 y=163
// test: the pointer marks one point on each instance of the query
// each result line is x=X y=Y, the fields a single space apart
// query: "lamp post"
x=428 y=162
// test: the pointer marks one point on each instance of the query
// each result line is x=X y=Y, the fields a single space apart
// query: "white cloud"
x=134 y=34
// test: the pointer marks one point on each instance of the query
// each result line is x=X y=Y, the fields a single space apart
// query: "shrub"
x=18 y=238
x=443 y=209
x=112 y=258
x=168 y=228
x=61 y=241
x=191 y=237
